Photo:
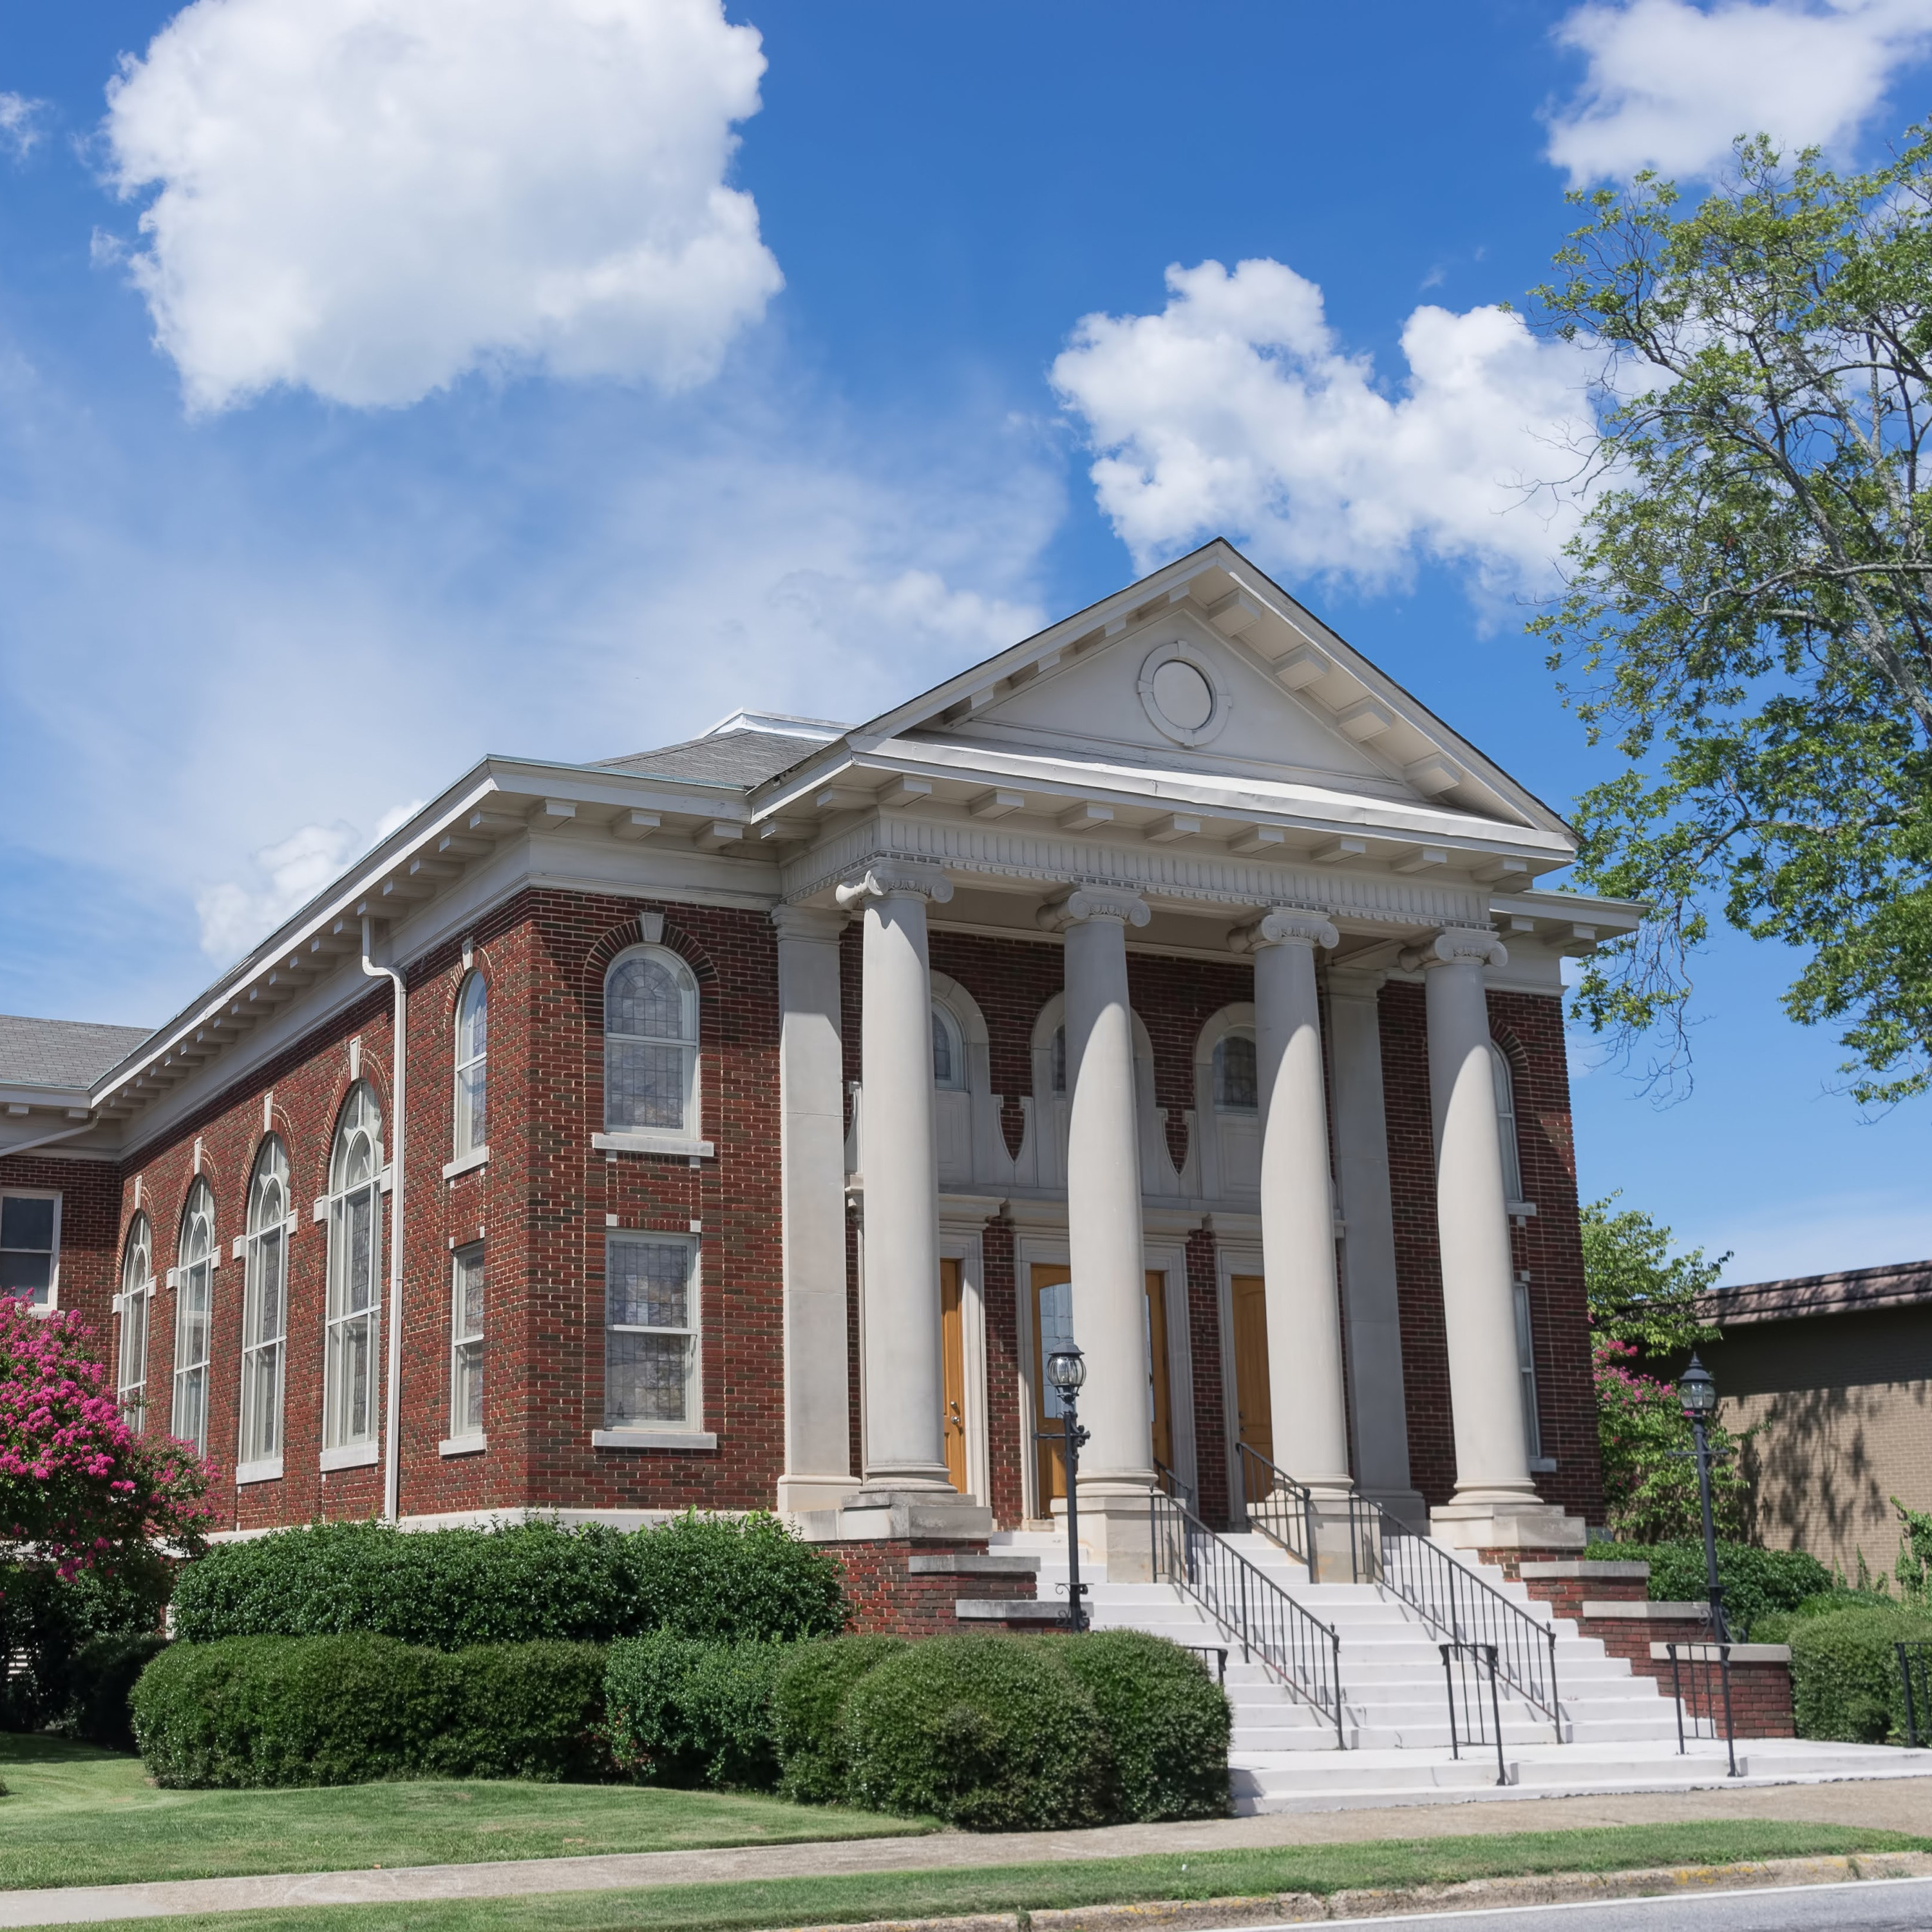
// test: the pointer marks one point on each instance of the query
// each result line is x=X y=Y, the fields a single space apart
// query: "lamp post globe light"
x=1067 y=1374
x=1697 y=1393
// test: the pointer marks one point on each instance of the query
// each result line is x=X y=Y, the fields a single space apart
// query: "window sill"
x=356 y=1456
x=463 y=1445
x=1543 y=1465
x=268 y=1470
x=643 y=1142
x=647 y=1438
x=1520 y=1210
x=463 y=1163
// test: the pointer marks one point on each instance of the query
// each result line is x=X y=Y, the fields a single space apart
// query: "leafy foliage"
x=46 y=1620
x=808 y=1712
x=1845 y=1680
x=1748 y=616
x=1650 y=1476
x=683 y=1711
x=1915 y=1553
x=100 y=1681
x=1640 y=1293
x=1757 y=1582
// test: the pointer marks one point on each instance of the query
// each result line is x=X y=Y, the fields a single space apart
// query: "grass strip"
x=740 y=1906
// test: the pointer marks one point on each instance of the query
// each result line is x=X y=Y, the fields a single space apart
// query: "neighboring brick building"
x=759 y=1093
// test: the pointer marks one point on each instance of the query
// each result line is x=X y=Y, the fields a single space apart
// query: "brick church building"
x=738 y=1124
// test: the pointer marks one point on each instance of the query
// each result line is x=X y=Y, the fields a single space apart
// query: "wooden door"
x=1254 y=1413
x=1051 y=1296
x=952 y=1356
x=1158 y=1384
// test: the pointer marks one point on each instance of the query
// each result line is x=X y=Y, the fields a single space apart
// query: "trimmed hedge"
x=1845 y=1682
x=808 y=1712
x=1757 y=1582
x=1169 y=1720
x=1777 y=1627
x=994 y=1734
x=680 y=1711
x=700 y=1576
x=252 y=1712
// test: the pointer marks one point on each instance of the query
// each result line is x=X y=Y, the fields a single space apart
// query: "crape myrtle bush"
x=1757 y=1582
x=808 y=1712
x=266 y=1710
x=681 y=1711
x=1845 y=1680
x=695 y=1577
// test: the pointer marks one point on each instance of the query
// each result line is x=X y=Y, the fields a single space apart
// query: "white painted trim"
x=643 y=1438
x=53 y=1300
x=643 y=1141
x=463 y=1445
x=268 y=1470
x=352 y=1456
x=464 y=1162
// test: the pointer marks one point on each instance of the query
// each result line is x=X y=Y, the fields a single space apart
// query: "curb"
x=1300 y=1908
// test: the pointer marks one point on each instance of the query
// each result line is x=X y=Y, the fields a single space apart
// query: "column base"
x=1334 y=1512
x=798 y=1494
x=879 y=1515
x=1116 y=1529
x=1406 y=1506
x=1528 y=1523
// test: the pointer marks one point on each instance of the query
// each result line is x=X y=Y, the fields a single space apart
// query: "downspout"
x=392 y=1418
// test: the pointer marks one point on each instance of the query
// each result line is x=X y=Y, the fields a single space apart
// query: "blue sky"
x=387 y=381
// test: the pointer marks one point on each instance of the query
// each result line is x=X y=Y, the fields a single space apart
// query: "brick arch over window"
x=637 y=931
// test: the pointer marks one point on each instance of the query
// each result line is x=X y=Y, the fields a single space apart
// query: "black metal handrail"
x=1278 y=1506
x=1299 y=1649
x=1692 y=1669
x=1914 y=1667
x=1463 y=1665
x=1461 y=1606
x=1182 y=1493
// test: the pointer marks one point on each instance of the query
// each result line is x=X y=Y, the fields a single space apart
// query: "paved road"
x=1873 y=1905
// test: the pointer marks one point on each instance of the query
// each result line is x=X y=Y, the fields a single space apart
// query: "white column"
x=1103 y=1202
x=904 y=1445
x=1472 y=1226
x=811 y=1159
x=1378 y=1405
x=1304 y=1324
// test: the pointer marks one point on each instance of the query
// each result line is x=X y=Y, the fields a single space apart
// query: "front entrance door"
x=1052 y=1298
x=1254 y=1410
x=952 y=1356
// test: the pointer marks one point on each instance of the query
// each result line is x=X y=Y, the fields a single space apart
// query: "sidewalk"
x=1900 y=1804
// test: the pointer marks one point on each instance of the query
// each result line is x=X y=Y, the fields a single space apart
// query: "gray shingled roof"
x=741 y=758
x=1900 y=1285
x=62 y=1053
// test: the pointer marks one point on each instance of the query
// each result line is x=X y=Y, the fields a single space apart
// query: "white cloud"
x=373 y=198
x=284 y=876
x=1669 y=85
x=1235 y=410
x=18 y=122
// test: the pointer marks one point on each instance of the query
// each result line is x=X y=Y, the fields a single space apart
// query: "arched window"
x=355 y=1273
x=1236 y=1088
x=1499 y=1067
x=949 y=1052
x=650 y=1044
x=264 y=1311
x=472 y=1045
x=137 y=1295
x=194 y=1305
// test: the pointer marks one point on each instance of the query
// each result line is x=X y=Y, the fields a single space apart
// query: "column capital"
x=1286 y=925
x=888 y=878
x=1456 y=943
x=798 y=922
x=1081 y=903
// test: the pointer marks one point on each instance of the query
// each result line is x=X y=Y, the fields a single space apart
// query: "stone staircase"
x=1619 y=1730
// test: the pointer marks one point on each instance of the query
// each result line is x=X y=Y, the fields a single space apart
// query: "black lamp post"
x=1699 y=1394
x=1066 y=1371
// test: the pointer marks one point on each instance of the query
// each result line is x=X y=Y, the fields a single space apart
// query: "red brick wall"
x=89 y=1262
x=883 y=1594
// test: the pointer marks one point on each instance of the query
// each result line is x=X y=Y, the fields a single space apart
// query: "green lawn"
x=76 y=1815
x=737 y=1906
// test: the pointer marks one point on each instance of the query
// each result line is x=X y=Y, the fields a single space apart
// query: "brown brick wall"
x=89 y=1262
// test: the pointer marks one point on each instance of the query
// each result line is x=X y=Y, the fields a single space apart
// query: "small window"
x=466 y=1343
x=1236 y=1087
x=137 y=1295
x=949 y=1053
x=355 y=1273
x=1057 y=1060
x=650 y=1044
x=30 y=1247
x=194 y=1310
x=650 y=1333
x=1499 y=1066
x=473 y=1043
x=1525 y=1358
x=264 y=1305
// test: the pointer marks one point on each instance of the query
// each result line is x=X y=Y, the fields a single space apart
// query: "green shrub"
x=684 y=1712
x=1166 y=1717
x=1777 y=1625
x=100 y=1679
x=46 y=1620
x=808 y=1712
x=1757 y=1582
x=1845 y=1681
x=446 y=1589
x=347 y=1710
x=987 y=1733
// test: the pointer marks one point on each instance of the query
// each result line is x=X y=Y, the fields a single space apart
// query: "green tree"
x=1640 y=1292
x=1748 y=610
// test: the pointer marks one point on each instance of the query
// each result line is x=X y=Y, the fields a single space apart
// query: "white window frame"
x=686 y=1137
x=471 y=1077
x=1215 y=1059
x=190 y=1391
x=1503 y=1075
x=944 y=1022
x=260 y=1441
x=135 y=1303
x=468 y=1352
x=341 y=1448
x=690 y=1433
x=52 y=1301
